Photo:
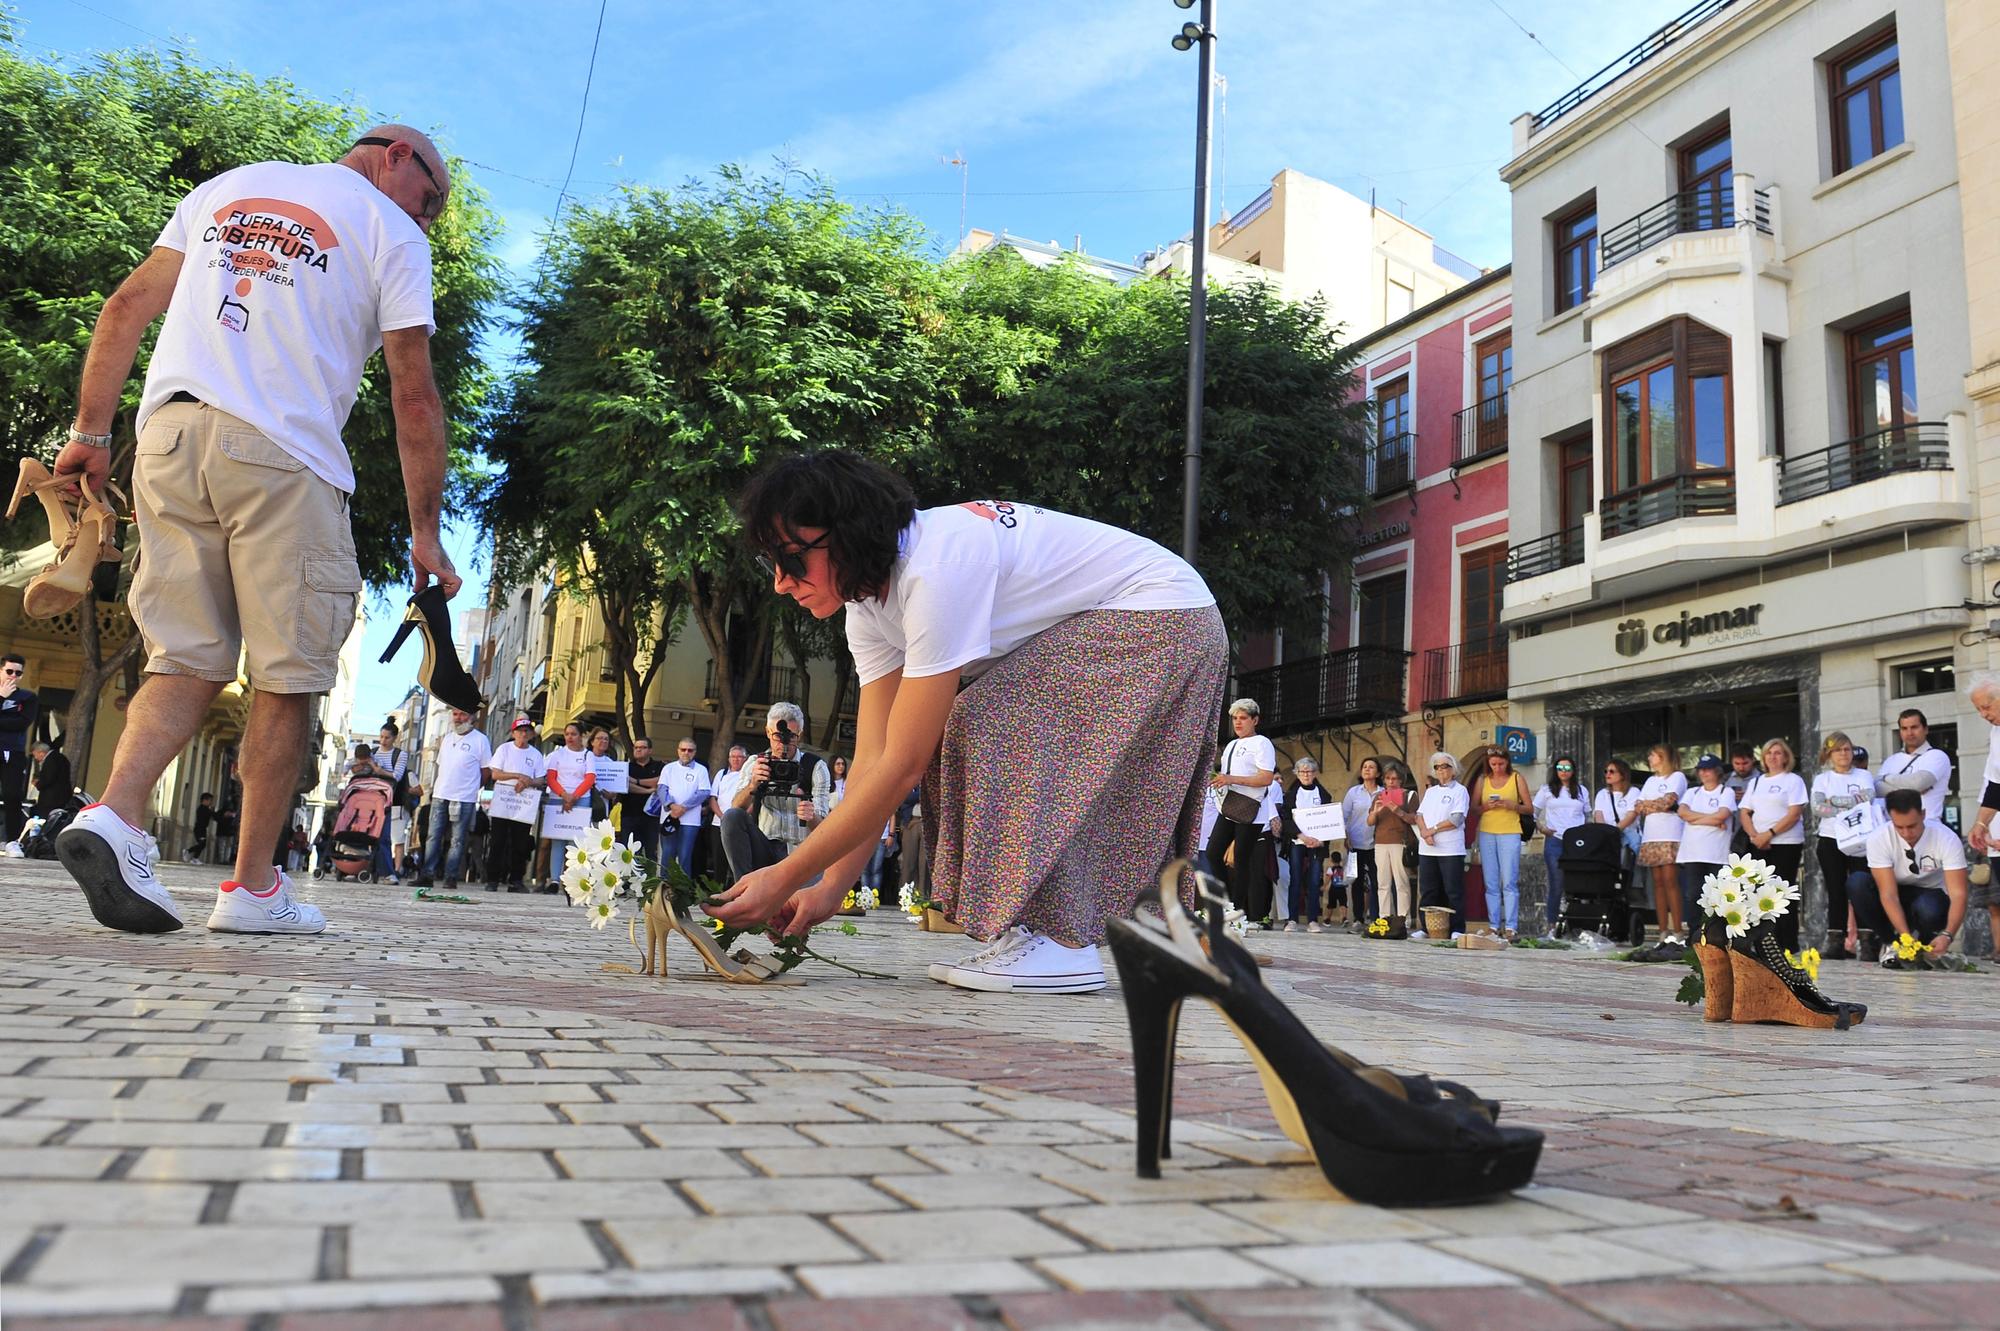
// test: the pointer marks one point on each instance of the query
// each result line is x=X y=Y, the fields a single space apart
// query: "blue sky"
x=1075 y=118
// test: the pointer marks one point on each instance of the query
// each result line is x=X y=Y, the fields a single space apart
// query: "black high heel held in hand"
x=1378 y=1138
x=440 y=674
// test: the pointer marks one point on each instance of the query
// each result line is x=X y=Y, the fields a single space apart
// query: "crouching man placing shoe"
x=1918 y=868
x=278 y=281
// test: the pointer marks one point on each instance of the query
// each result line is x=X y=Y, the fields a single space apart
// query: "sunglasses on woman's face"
x=790 y=562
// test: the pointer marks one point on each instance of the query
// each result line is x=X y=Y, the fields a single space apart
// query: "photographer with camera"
x=782 y=796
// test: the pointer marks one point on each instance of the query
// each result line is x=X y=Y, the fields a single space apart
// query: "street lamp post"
x=1200 y=34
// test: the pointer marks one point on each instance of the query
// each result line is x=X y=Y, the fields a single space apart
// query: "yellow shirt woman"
x=1501 y=821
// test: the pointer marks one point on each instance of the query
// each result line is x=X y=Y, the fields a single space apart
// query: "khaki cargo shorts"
x=242 y=549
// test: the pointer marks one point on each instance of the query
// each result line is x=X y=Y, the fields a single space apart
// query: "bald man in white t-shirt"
x=278 y=282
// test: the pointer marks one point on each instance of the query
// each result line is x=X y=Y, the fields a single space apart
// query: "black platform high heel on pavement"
x=440 y=674
x=1370 y=1142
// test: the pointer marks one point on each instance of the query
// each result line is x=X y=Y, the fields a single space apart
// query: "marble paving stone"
x=1395 y=1265
x=353 y=1294
x=804 y=1161
x=382 y=1249
x=341 y=1202
x=217 y=1165
x=938 y=1192
x=907 y=1279
x=57 y=1203
x=1563 y=1258
x=712 y=1282
x=1336 y=1222
x=1722 y=1246
x=1185 y=1268
x=669 y=1162
x=954 y=1235
x=1155 y=1225
x=699 y=1241
x=803 y=1196
x=203 y=1254
x=455 y=1165
x=580 y=1199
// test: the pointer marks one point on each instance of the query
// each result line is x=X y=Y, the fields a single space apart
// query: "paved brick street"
x=453 y=1117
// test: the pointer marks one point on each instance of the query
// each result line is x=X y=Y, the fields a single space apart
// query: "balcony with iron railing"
x=1708 y=208
x=1655 y=42
x=1389 y=464
x=1916 y=446
x=1465 y=672
x=1355 y=686
x=1480 y=431
x=1545 y=554
x=778 y=683
x=1685 y=495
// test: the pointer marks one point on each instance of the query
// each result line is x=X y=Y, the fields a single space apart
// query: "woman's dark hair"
x=1555 y=777
x=390 y=726
x=861 y=505
x=1620 y=766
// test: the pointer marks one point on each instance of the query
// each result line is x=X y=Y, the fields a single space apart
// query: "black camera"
x=782 y=774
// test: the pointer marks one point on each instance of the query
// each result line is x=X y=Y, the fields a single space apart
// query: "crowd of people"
x=1887 y=859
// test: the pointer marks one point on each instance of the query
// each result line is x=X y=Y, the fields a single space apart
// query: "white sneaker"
x=238 y=910
x=107 y=857
x=1039 y=966
x=1008 y=940
x=1313 y=927
x=1291 y=926
x=12 y=850
x=1419 y=934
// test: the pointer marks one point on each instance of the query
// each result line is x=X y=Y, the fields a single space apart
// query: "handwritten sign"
x=1322 y=822
x=560 y=826
x=614 y=777
x=516 y=806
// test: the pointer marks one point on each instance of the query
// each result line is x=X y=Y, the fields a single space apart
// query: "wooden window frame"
x=1566 y=467
x=1587 y=242
x=1695 y=352
x=1839 y=92
x=1857 y=356
x=1401 y=576
x=1490 y=427
x=1716 y=215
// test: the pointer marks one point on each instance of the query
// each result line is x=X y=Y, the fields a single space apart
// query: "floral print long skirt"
x=1074 y=769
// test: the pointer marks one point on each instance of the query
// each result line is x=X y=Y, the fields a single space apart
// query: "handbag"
x=1236 y=806
x=1528 y=828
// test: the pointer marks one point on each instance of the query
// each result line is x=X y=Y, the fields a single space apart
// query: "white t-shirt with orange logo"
x=291 y=275
x=975 y=581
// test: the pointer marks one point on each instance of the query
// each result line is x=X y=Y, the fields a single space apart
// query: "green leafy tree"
x=92 y=163
x=675 y=340
x=1071 y=392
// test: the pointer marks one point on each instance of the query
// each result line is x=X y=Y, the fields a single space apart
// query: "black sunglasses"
x=376 y=141
x=789 y=562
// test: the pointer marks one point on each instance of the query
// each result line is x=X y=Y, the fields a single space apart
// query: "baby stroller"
x=1592 y=855
x=362 y=820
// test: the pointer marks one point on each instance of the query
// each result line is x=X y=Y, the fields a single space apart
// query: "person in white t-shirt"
x=1052 y=681
x=1560 y=805
x=1440 y=827
x=1984 y=693
x=1660 y=838
x=1249 y=768
x=1709 y=812
x=724 y=794
x=683 y=797
x=519 y=766
x=1772 y=814
x=1919 y=766
x=1840 y=786
x=1363 y=885
x=278 y=282
x=569 y=780
x=464 y=763
x=1918 y=877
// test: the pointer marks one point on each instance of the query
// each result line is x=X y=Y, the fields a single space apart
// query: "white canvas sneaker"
x=238 y=910
x=1039 y=966
x=108 y=858
x=1008 y=940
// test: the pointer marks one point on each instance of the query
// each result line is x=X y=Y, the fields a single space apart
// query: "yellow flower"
x=717 y=925
x=1907 y=948
x=847 y=902
x=1379 y=928
x=1807 y=961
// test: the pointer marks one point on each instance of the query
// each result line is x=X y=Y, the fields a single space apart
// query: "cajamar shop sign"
x=1710 y=630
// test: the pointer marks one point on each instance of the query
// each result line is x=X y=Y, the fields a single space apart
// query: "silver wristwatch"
x=77 y=436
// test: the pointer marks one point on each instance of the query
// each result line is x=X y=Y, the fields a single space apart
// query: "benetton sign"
x=1690 y=630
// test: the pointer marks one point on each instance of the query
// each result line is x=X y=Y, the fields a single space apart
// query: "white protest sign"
x=613 y=775
x=570 y=826
x=1320 y=821
x=516 y=806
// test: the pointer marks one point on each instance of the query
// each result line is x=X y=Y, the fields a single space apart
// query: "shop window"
x=1865 y=101
x=1576 y=255
x=1922 y=677
x=1669 y=401
x=1882 y=374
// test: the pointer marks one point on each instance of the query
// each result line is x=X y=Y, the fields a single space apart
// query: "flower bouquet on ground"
x=1909 y=954
x=600 y=872
x=1744 y=973
x=923 y=912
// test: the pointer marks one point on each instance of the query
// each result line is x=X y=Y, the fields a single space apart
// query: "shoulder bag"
x=1528 y=828
x=1236 y=806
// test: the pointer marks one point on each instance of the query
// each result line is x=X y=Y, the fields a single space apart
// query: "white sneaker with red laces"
x=110 y=860
x=1036 y=965
x=238 y=910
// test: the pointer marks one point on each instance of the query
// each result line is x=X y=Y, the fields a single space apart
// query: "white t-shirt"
x=1935 y=762
x=1247 y=757
x=290 y=277
x=522 y=760
x=1562 y=810
x=1937 y=849
x=459 y=759
x=1439 y=803
x=1662 y=826
x=974 y=581
x=1354 y=807
x=725 y=787
x=1838 y=791
x=568 y=767
x=1614 y=805
x=1770 y=797
x=687 y=785
x=1707 y=845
